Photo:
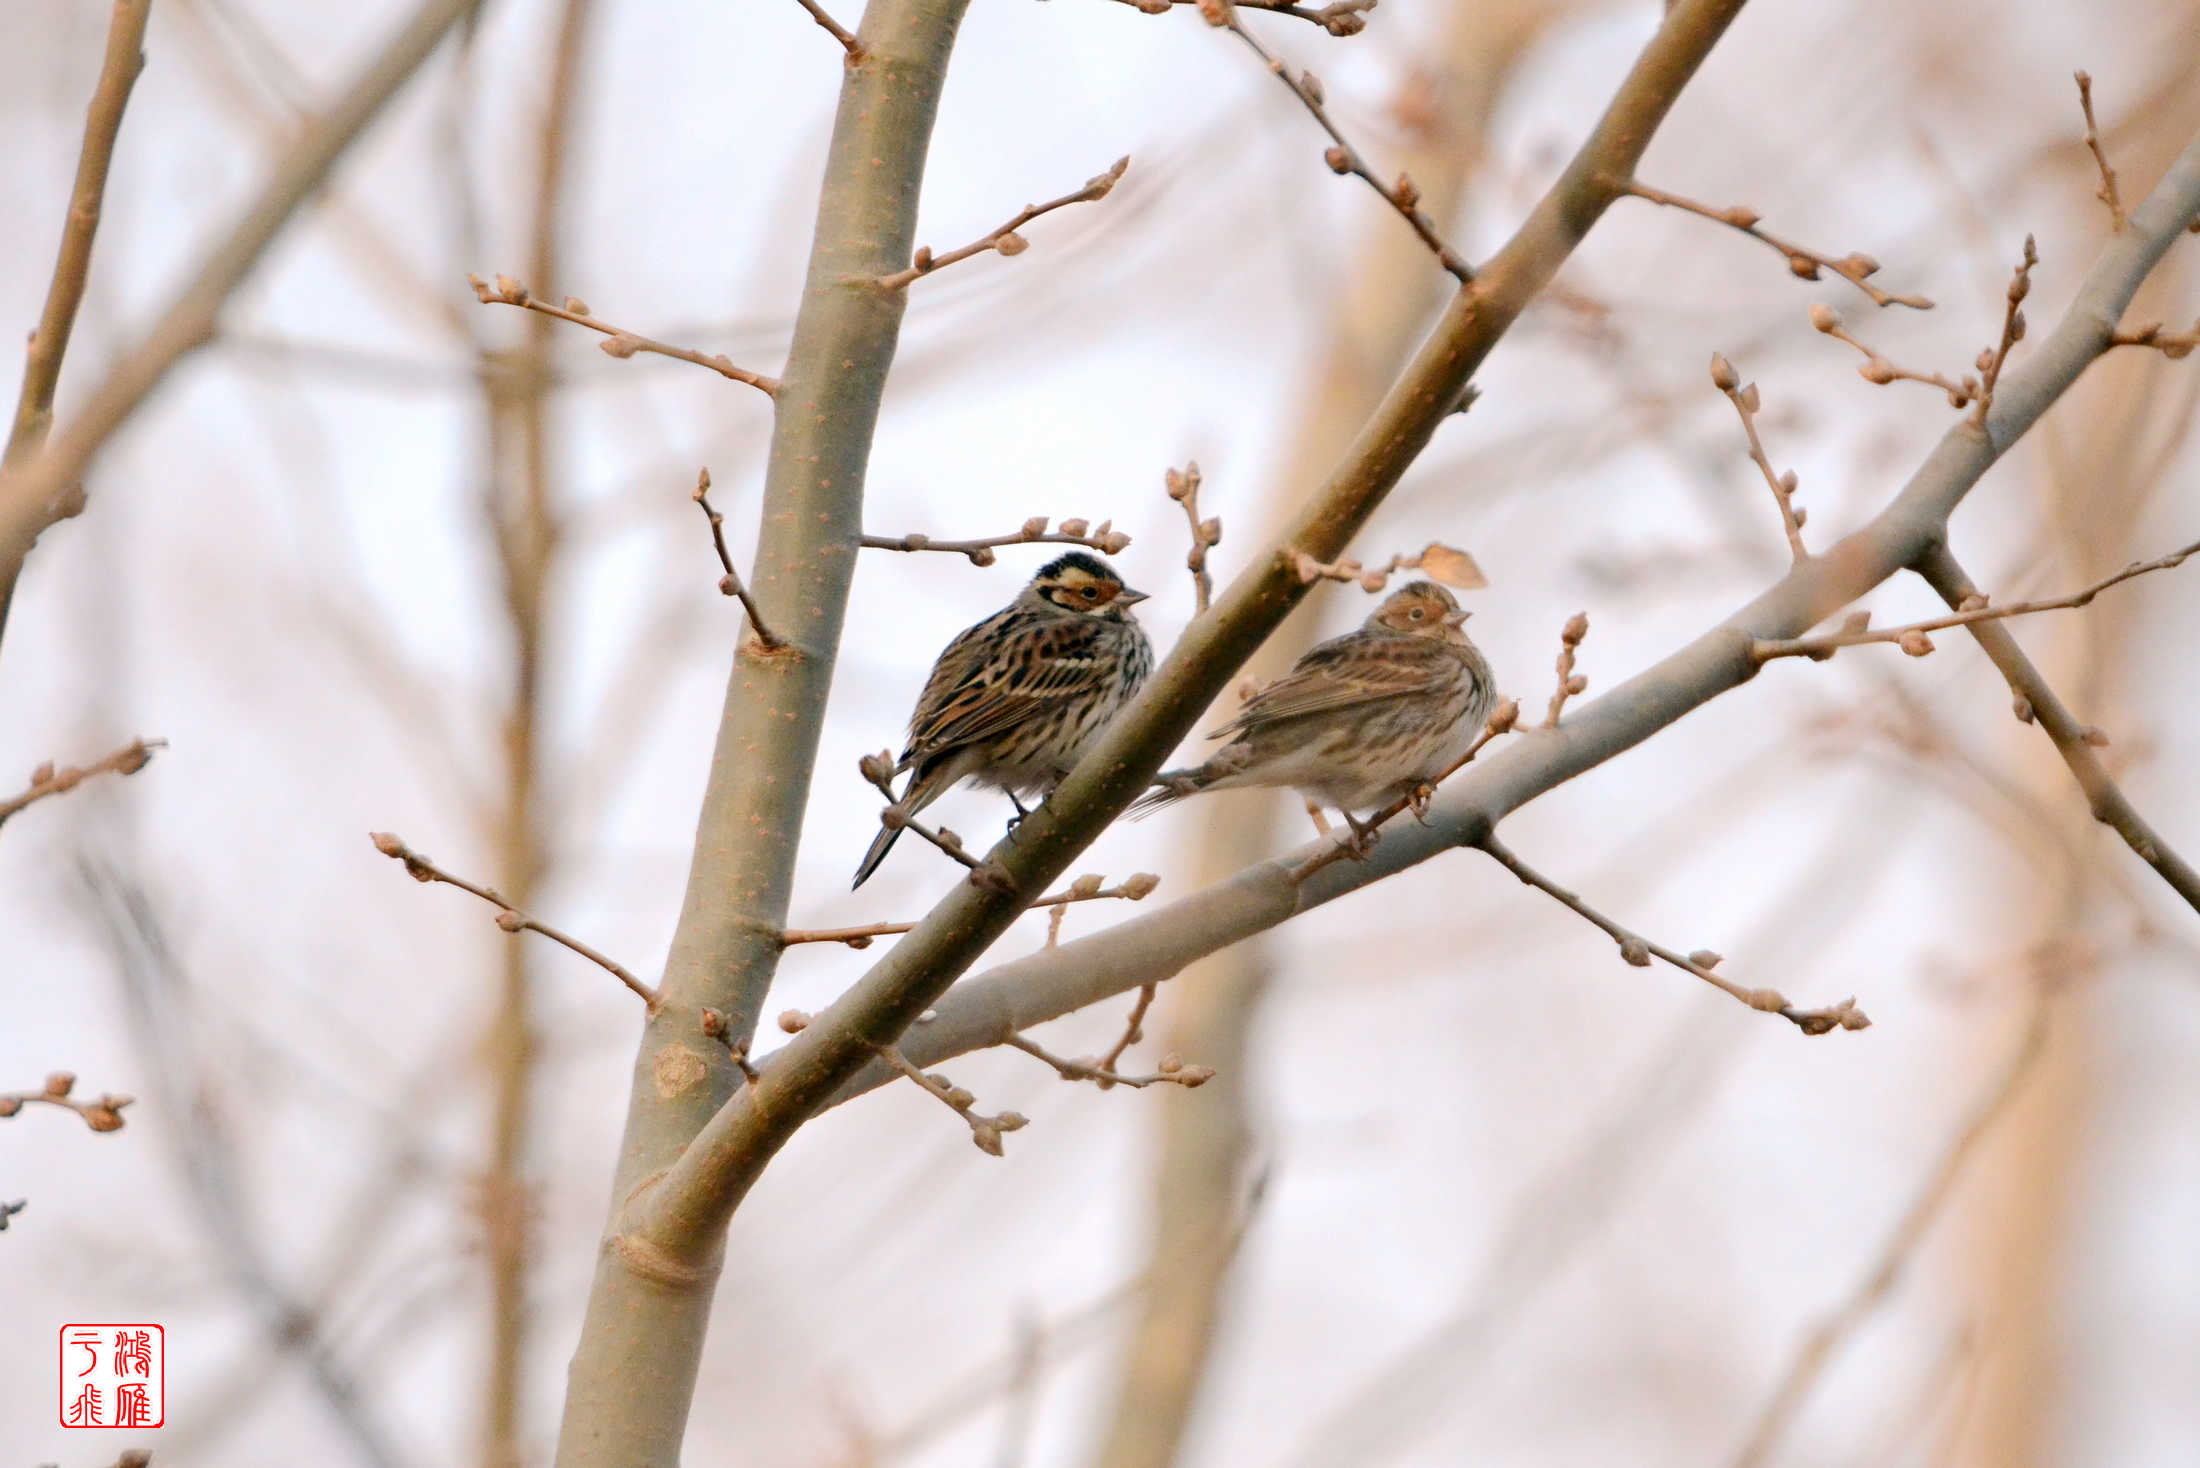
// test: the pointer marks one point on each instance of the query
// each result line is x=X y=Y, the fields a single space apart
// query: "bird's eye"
x=1090 y=593
x=1416 y=614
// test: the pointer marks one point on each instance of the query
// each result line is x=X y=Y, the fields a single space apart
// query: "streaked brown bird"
x=1360 y=720
x=1016 y=699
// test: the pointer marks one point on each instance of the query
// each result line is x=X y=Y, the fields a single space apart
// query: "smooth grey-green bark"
x=633 y=1374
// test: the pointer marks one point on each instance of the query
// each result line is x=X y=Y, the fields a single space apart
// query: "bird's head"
x=1082 y=584
x=1421 y=609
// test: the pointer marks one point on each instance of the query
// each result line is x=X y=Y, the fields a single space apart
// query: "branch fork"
x=1104 y=538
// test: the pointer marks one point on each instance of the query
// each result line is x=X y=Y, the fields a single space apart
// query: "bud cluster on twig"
x=1005 y=240
x=1172 y=1071
x=1103 y=537
x=731 y=583
x=1091 y=887
x=101 y=1115
x=1404 y=196
x=985 y=1131
x=618 y=342
x=1804 y=263
x=1441 y=562
x=1638 y=951
x=2107 y=194
x=48 y=780
x=878 y=769
x=1570 y=682
x=1878 y=370
x=1746 y=403
x=1993 y=359
x=1183 y=486
x=1339 y=18
x=508 y=917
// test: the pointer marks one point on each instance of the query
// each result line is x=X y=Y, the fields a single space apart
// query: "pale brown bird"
x=1360 y=720
x=1013 y=701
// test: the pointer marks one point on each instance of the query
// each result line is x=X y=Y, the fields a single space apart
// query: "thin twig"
x=1171 y=1073
x=1131 y=889
x=8 y=1210
x=1134 y=1030
x=2173 y=345
x=103 y=1115
x=46 y=780
x=731 y=583
x=1991 y=361
x=1501 y=721
x=618 y=342
x=1005 y=240
x=2108 y=194
x=1341 y=156
x=835 y=29
x=1746 y=403
x=1569 y=681
x=118 y=73
x=1639 y=950
x=1443 y=563
x=879 y=770
x=1103 y=537
x=986 y=1131
x=2073 y=741
x=1877 y=369
x=509 y=918
x=1818 y=1347
x=1183 y=486
x=1856 y=267
x=1341 y=18
x=1912 y=636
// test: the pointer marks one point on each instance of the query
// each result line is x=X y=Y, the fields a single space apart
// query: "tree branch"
x=618 y=342
x=1746 y=402
x=1104 y=538
x=46 y=780
x=731 y=584
x=43 y=491
x=103 y=1115
x=1088 y=888
x=835 y=29
x=1154 y=946
x=2108 y=803
x=1972 y=608
x=1343 y=158
x=1005 y=240
x=1804 y=263
x=1638 y=950
x=509 y=918
x=2108 y=194
x=685 y=1212
x=1340 y=18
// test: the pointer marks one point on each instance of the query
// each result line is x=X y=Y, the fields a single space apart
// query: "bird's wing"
x=1001 y=672
x=1357 y=668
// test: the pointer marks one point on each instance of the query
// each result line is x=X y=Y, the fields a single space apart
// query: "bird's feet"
x=1363 y=839
x=1418 y=801
x=1017 y=819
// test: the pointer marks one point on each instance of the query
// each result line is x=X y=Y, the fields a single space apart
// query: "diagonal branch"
x=43 y=491
x=1804 y=263
x=731 y=583
x=118 y=73
x=1088 y=888
x=1972 y=608
x=1005 y=240
x=2108 y=803
x=1638 y=950
x=835 y=29
x=1155 y=946
x=2108 y=194
x=1746 y=403
x=685 y=1211
x=618 y=342
x=1343 y=158
x=509 y=918
x=46 y=780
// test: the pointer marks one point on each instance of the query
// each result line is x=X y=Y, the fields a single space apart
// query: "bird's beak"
x=1129 y=598
x=1456 y=619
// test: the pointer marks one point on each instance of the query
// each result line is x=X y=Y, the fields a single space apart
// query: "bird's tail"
x=1169 y=787
x=924 y=788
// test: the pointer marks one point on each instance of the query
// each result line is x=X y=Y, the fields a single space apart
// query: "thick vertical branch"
x=1381 y=310
x=634 y=1373
x=36 y=494
x=524 y=528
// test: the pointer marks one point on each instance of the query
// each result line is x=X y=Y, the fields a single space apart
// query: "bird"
x=1013 y=701
x=1360 y=720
